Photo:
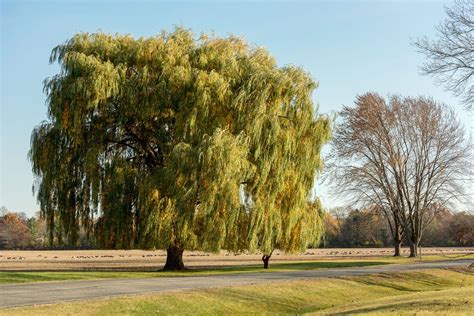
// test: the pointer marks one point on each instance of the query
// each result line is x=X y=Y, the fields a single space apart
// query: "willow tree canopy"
x=178 y=143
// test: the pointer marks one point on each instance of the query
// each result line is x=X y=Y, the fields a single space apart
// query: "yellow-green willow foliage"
x=177 y=142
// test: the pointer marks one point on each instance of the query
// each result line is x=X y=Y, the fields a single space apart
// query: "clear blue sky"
x=350 y=47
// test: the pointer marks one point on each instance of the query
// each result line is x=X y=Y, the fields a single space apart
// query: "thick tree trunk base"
x=174 y=259
x=266 y=261
x=413 y=250
x=397 y=249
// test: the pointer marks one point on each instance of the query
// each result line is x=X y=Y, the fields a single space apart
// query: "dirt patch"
x=143 y=260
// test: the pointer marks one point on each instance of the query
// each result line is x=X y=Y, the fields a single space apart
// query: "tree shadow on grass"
x=8 y=277
x=287 y=266
x=412 y=306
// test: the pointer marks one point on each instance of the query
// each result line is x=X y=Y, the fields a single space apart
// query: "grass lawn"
x=425 y=292
x=22 y=277
x=7 y=277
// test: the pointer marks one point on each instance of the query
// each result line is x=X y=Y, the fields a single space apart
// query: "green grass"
x=428 y=291
x=23 y=277
x=46 y=276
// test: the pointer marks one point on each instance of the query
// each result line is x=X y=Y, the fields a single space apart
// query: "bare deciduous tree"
x=405 y=155
x=450 y=57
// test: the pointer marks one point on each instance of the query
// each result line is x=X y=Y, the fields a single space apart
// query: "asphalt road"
x=55 y=292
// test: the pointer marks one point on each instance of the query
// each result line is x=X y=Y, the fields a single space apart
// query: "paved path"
x=54 y=292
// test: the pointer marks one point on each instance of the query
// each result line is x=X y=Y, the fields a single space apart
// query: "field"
x=10 y=277
x=141 y=260
x=422 y=292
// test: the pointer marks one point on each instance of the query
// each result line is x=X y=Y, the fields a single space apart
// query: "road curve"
x=61 y=291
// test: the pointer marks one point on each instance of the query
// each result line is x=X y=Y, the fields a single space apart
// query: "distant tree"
x=363 y=228
x=450 y=57
x=38 y=230
x=461 y=229
x=406 y=156
x=333 y=222
x=41 y=237
x=14 y=231
x=32 y=224
x=436 y=232
x=178 y=143
x=4 y=231
x=451 y=229
x=332 y=229
x=3 y=210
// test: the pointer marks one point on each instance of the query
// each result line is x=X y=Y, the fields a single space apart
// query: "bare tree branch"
x=408 y=156
x=450 y=56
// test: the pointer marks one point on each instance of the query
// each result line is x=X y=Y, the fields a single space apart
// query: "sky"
x=349 y=47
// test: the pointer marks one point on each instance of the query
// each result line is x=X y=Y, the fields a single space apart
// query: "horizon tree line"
x=344 y=227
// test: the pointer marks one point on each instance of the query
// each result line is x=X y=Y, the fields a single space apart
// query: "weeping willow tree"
x=179 y=143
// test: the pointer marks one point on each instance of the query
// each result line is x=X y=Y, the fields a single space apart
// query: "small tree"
x=178 y=143
x=450 y=57
x=309 y=232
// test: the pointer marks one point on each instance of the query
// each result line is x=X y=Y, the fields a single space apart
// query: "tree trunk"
x=396 y=245
x=174 y=259
x=397 y=237
x=413 y=249
x=266 y=261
